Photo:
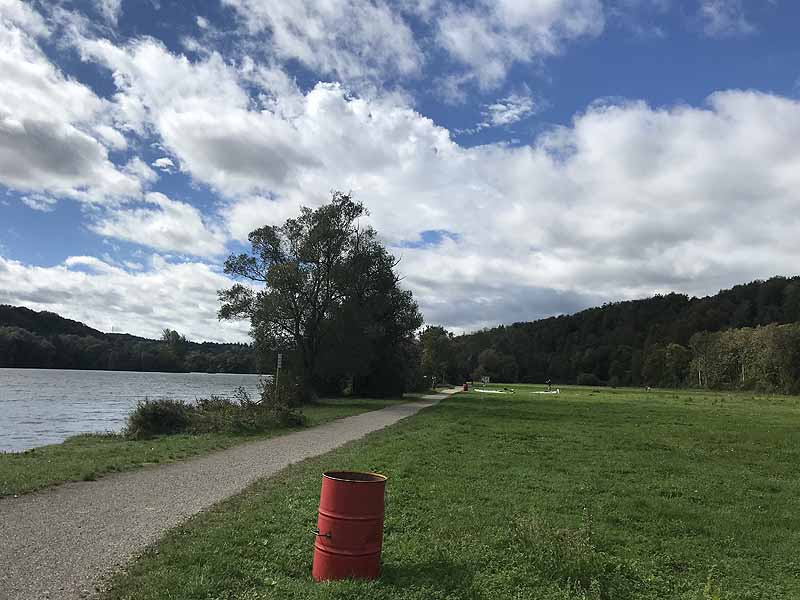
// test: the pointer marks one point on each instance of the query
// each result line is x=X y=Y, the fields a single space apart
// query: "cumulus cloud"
x=139 y=169
x=247 y=214
x=491 y=36
x=351 y=39
x=626 y=201
x=140 y=300
x=163 y=224
x=722 y=18
x=48 y=122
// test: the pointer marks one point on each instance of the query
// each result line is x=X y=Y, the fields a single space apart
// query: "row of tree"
x=91 y=349
x=658 y=341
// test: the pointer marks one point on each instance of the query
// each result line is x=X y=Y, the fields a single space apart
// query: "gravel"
x=62 y=543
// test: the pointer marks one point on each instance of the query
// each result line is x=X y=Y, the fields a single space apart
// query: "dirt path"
x=60 y=543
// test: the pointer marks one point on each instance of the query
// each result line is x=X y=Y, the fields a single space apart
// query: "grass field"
x=86 y=457
x=606 y=494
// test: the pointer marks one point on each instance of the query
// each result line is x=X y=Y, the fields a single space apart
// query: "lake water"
x=46 y=406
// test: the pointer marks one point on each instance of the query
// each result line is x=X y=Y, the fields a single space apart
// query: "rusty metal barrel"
x=349 y=530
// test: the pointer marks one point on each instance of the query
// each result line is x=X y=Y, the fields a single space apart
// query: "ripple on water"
x=44 y=406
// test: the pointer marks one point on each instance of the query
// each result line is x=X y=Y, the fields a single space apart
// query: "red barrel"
x=466 y=386
x=350 y=526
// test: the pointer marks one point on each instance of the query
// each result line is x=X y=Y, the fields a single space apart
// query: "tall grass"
x=240 y=414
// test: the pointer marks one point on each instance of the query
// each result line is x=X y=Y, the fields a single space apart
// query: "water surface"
x=46 y=406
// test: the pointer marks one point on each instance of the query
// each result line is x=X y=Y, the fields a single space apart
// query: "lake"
x=46 y=406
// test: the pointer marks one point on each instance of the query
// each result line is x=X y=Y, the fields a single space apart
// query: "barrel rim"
x=342 y=476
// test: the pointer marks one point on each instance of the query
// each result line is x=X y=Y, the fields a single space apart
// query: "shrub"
x=281 y=400
x=216 y=414
x=158 y=417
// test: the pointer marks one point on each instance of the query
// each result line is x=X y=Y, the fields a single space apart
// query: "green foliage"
x=239 y=414
x=497 y=366
x=329 y=298
x=436 y=344
x=163 y=416
x=281 y=399
x=589 y=379
x=761 y=358
x=640 y=342
x=45 y=340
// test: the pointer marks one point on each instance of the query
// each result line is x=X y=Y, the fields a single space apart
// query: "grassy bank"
x=87 y=457
x=608 y=494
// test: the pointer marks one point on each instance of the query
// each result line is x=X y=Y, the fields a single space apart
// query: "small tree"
x=437 y=345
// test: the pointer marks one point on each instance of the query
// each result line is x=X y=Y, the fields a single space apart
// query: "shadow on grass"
x=441 y=575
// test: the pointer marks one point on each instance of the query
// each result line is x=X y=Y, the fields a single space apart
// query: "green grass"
x=87 y=457
x=606 y=494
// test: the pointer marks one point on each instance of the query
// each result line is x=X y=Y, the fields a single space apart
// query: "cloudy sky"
x=523 y=158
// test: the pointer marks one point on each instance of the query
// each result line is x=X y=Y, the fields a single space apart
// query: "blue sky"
x=523 y=158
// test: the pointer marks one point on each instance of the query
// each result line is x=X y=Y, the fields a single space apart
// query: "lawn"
x=613 y=494
x=86 y=457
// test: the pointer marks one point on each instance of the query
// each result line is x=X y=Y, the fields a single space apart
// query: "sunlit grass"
x=591 y=494
x=87 y=457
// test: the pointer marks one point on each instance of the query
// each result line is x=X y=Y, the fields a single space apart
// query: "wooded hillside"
x=645 y=342
x=46 y=340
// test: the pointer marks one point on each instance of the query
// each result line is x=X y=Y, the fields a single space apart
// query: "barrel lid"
x=355 y=476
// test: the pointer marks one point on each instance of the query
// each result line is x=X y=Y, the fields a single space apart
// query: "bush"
x=158 y=417
x=281 y=400
x=239 y=414
x=589 y=379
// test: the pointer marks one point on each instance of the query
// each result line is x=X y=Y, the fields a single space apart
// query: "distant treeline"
x=46 y=340
x=730 y=340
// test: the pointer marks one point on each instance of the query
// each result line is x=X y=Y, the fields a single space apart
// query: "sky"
x=521 y=158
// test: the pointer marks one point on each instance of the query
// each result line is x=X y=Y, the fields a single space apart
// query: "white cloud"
x=626 y=201
x=48 y=122
x=506 y=111
x=723 y=18
x=491 y=36
x=109 y=9
x=202 y=22
x=141 y=301
x=164 y=164
x=39 y=202
x=351 y=39
x=112 y=138
x=163 y=224
x=139 y=169
x=247 y=214
x=509 y=110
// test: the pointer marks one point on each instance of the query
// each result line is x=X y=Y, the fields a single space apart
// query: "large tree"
x=327 y=293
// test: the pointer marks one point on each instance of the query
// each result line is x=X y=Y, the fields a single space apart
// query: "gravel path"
x=62 y=542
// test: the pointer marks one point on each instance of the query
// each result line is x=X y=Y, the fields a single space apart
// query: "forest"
x=746 y=337
x=46 y=340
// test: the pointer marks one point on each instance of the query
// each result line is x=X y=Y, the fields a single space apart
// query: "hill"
x=655 y=341
x=46 y=340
